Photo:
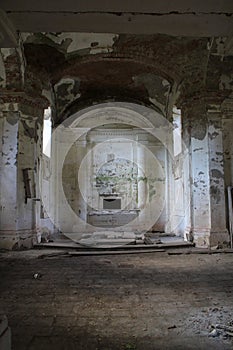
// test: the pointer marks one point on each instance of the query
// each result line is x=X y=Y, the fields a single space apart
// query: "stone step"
x=76 y=246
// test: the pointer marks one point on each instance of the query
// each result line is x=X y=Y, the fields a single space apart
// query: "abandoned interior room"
x=116 y=175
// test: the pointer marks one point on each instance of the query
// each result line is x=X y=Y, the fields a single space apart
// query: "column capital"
x=227 y=108
x=208 y=99
x=19 y=101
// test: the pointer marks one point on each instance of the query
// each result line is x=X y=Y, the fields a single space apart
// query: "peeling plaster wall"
x=18 y=146
x=45 y=227
x=2 y=71
x=79 y=43
x=66 y=91
x=228 y=151
x=158 y=89
x=14 y=63
x=17 y=218
x=227 y=126
x=177 y=209
x=216 y=166
x=26 y=160
x=8 y=174
x=75 y=69
x=200 y=189
x=204 y=138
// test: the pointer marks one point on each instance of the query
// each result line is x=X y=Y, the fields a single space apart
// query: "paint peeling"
x=12 y=118
x=216 y=193
x=198 y=149
x=80 y=43
x=28 y=131
x=157 y=88
x=67 y=91
x=215 y=173
x=2 y=72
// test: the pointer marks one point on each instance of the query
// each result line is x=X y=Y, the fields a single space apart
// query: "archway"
x=110 y=171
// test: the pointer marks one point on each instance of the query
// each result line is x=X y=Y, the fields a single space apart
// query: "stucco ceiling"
x=178 y=18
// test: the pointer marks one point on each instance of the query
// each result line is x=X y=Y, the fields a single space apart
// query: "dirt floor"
x=129 y=302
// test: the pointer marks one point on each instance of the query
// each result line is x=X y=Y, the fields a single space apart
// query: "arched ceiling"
x=148 y=52
x=152 y=69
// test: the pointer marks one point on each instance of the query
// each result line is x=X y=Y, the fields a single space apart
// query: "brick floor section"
x=130 y=302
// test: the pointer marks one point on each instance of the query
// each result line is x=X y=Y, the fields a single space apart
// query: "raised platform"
x=75 y=246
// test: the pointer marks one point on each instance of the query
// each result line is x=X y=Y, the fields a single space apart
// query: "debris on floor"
x=119 y=302
x=222 y=330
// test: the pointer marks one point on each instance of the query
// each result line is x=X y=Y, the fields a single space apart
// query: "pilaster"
x=21 y=127
x=207 y=197
x=227 y=113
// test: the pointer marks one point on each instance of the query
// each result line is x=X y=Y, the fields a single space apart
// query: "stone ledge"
x=17 y=240
x=207 y=238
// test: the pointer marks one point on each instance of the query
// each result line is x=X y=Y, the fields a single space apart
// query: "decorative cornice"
x=22 y=98
x=157 y=67
x=206 y=98
x=227 y=108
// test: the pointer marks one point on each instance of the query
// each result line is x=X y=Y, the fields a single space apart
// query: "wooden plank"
x=77 y=246
x=113 y=252
x=201 y=251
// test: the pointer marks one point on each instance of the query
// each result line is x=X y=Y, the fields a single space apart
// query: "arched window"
x=47 y=129
x=177 y=140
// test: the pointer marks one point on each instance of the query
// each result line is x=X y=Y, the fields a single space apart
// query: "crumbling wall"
x=21 y=108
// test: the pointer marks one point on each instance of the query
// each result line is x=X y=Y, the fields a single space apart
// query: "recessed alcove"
x=112 y=203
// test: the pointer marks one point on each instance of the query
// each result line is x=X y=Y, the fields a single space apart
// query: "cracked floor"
x=130 y=302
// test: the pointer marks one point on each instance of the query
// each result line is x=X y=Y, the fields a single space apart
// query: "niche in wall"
x=117 y=178
x=111 y=203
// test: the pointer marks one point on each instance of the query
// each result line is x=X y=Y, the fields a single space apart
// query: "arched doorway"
x=110 y=171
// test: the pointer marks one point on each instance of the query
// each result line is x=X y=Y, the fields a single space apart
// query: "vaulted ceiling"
x=144 y=51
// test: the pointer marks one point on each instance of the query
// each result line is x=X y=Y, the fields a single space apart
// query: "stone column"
x=187 y=179
x=169 y=193
x=8 y=176
x=20 y=156
x=142 y=190
x=227 y=111
x=177 y=188
x=208 y=214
